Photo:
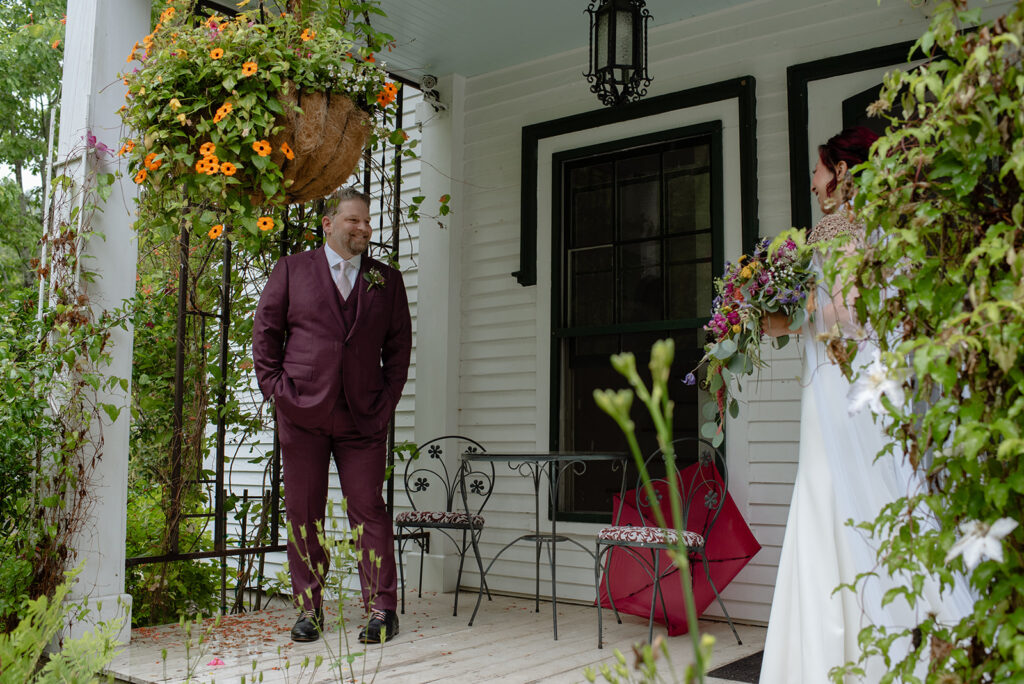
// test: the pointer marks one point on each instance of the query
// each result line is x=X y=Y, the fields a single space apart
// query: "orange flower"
x=371 y=59
x=148 y=41
x=141 y=176
x=207 y=148
x=208 y=165
x=212 y=165
x=249 y=68
x=262 y=148
x=126 y=81
x=167 y=14
x=131 y=55
x=287 y=150
x=387 y=95
x=55 y=44
x=151 y=162
x=216 y=231
x=228 y=169
x=216 y=53
x=222 y=112
x=265 y=223
x=308 y=34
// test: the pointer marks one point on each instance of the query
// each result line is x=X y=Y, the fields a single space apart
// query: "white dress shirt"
x=336 y=262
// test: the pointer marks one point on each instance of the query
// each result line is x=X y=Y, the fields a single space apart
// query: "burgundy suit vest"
x=349 y=307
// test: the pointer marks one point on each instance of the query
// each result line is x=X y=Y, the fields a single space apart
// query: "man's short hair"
x=344 y=194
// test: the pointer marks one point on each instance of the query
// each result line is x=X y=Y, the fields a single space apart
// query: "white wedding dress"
x=813 y=628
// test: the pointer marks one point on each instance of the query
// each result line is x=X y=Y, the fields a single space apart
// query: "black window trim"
x=742 y=89
x=711 y=129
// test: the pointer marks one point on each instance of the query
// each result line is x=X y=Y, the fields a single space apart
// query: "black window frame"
x=560 y=333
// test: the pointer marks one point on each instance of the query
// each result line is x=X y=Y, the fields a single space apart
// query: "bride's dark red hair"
x=851 y=146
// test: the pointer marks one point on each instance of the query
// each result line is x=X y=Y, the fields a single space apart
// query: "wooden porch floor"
x=509 y=642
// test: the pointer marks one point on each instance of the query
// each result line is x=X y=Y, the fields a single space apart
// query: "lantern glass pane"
x=624 y=38
x=601 y=47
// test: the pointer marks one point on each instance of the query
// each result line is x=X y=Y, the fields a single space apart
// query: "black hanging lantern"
x=618 y=50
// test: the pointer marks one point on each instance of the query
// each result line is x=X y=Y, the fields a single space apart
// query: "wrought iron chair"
x=704 y=494
x=427 y=468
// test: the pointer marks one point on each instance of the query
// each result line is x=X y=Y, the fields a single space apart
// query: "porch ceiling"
x=471 y=37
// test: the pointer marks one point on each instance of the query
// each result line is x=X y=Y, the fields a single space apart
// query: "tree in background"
x=31 y=57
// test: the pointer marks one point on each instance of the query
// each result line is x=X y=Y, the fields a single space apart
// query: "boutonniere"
x=374 y=278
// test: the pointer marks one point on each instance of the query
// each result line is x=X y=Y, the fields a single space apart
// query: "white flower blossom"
x=874 y=382
x=980 y=541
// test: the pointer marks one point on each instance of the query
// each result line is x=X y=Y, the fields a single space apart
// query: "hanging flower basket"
x=231 y=119
x=319 y=144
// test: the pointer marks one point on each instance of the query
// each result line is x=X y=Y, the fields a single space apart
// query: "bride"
x=813 y=627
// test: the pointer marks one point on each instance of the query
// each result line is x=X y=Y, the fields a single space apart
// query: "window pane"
x=689 y=276
x=591 y=191
x=639 y=181
x=688 y=188
x=590 y=370
x=592 y=287
x=640 y=282
x=637 y=249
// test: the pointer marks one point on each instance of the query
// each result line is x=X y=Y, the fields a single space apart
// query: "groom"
x=331 y=344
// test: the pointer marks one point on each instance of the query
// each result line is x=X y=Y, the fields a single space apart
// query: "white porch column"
x=99 y=35
x=439 y=290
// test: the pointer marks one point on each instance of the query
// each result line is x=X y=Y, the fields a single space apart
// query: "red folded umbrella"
x=730 y=546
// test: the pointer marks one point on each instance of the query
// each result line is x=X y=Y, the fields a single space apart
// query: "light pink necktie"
x=344 y=284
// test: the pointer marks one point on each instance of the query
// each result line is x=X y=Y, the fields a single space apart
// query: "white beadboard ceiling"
x=472 y=37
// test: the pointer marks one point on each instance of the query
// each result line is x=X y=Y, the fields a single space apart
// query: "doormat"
x=743 y=670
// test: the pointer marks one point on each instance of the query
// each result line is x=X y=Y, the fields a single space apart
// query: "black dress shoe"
x=383 y=626
x=308 y=626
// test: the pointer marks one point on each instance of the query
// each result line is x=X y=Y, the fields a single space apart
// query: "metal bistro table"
x=533 y=464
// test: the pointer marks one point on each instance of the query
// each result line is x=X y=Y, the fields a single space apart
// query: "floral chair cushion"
x=649 y=535
x=437 y=518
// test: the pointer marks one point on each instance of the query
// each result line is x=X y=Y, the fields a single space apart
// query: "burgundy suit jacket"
x=304 y=356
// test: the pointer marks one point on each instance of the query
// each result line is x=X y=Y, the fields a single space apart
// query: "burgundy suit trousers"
x=361 y=462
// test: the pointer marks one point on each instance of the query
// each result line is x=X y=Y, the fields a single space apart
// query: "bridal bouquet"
x=776 y=278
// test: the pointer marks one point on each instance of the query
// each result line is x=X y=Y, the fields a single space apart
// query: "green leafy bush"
x=943 y=274
x=23 y=656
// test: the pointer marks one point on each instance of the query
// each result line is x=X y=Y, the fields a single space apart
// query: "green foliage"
x=347 y=661
x=52 y=371
x=30 y=70
x=162 y=506
x=944 y=272
x=645 y=665
x=22 y=649
x=206 y=97
x=20 y=217
x=48 y=373
x=617 y=404
x=164 y=592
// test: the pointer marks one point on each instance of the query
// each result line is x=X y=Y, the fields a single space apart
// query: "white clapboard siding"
x=502 y=361
x=240 y=473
